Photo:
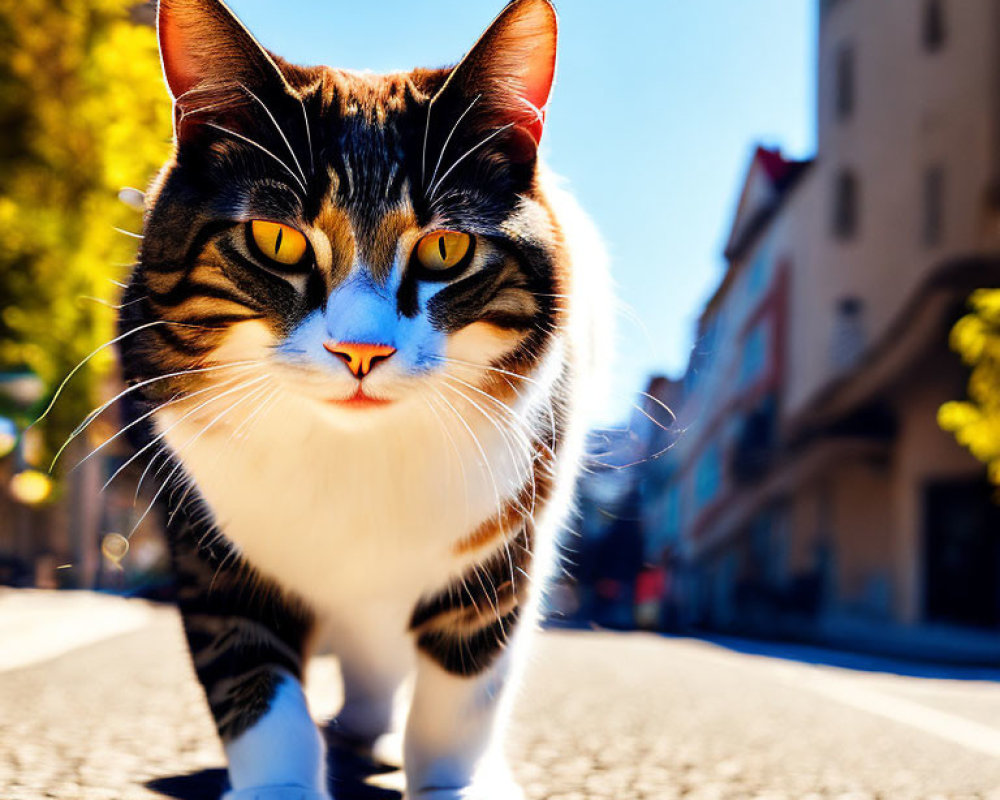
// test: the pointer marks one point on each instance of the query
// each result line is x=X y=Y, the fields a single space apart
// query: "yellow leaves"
x=976 y=423
x=84 y=114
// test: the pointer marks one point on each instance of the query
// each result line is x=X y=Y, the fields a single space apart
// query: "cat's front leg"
x=248 y=646
x=452 y=748
x=465 y=637
x=281 y=756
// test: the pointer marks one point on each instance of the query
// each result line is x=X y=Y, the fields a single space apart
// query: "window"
x=753 y=360
x=708 y=476
x=934 y=32
x=844 y=86
x=758 y=275
x=845 y=205
x=933 y=211
x=849 y=339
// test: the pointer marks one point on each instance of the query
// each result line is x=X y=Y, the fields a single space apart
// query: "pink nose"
x=360 y=357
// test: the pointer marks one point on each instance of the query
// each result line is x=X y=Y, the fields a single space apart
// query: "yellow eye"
x=278 y=242
x=443 y=249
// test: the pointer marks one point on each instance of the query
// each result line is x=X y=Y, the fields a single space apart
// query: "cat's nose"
x=360 y=357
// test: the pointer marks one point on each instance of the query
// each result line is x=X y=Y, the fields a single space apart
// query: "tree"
x=976 y=422
x=83 y=113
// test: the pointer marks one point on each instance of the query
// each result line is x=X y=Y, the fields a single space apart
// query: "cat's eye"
x=277 y=242
x=444 y=250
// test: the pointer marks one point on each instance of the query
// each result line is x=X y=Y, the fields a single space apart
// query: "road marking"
x=37 y=626
x=959 y=730
x=848 y=688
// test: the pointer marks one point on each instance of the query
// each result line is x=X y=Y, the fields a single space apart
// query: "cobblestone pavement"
x=602 y=716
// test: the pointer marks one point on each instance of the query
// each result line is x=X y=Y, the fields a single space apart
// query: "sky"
x=657 y=107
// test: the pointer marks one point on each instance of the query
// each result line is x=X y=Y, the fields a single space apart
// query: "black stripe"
x=178 y=342
x=468 y=655
x=188 y=289
x=484 y=587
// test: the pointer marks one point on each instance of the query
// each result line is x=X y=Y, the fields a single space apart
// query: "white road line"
x=848 y=687
x=959 y=730
x=38 y=626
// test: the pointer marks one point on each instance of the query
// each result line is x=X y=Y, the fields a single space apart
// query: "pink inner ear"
x=179 y=67
x=538 y=73
x=537 y=90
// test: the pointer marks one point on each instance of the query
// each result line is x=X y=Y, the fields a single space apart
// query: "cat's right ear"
x=206 y=51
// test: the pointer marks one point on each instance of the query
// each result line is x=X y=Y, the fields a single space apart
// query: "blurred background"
x=802 y=204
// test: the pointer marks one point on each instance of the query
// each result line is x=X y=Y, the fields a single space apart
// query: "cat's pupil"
x=443 y=249
x=277 y=241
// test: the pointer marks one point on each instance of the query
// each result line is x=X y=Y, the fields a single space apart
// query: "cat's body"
x=362 y=323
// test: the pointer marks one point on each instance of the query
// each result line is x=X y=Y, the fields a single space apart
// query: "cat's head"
x=362 y=240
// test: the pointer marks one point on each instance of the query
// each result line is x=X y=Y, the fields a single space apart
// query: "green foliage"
x=83 y=113
x=976 y=422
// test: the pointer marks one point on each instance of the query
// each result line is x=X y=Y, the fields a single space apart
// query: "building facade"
x=810 y=492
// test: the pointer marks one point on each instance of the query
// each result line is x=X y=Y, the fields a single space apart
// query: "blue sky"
x=657 y=108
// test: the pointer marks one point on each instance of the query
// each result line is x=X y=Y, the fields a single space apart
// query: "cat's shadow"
x=353 y=771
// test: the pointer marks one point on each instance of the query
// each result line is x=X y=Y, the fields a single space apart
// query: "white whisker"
x=161 y=435
x=277 y=127
x=190 y=441
x=466 y=154
x=93 y=353
x=451 y=133
x=263 y=149
x=93 y=415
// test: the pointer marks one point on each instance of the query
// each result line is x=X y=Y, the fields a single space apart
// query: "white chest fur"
x=349 y=513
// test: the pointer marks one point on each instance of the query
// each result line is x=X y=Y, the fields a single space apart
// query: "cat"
x=364 y=325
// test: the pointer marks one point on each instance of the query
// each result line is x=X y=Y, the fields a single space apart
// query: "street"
x=99 y=702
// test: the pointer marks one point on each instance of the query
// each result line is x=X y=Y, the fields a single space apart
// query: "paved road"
x=112 y=712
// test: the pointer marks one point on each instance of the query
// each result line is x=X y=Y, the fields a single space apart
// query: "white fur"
x=283 y=753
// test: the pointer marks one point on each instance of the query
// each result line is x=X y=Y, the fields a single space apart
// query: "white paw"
x=512 y=793
x=286 y=792
x=502 y=789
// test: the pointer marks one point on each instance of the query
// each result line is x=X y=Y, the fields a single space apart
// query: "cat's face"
x=363 y=239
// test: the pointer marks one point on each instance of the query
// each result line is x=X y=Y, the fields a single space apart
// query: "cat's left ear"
x=206 y=52
x=506 y=79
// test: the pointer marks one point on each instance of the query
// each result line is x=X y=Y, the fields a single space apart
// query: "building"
x=811 y=493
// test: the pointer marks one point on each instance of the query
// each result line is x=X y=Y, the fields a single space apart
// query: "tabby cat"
x=360 y=324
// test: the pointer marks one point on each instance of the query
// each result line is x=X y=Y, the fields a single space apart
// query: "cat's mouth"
x=360 y=400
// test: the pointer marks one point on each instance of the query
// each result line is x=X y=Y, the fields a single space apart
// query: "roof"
x=769 y=179
x=769 y=182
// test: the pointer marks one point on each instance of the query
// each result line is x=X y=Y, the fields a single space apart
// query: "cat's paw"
x=494 y=790
x=286 y=792
x=511 y=792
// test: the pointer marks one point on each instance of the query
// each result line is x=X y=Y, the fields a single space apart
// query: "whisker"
x=661 y=404
x=479 y=447
x=309 y=138
x=277 y=127
x=527 y=459
x=459 y=362
x=466 y=154
x=179 y=464
x=93 y=415
x=447 y=141
x=160 y=436
x=113 y=306
x=93 y=353
x=454 y=445
x=252 y=394
x=175 y=399
x=263 y=149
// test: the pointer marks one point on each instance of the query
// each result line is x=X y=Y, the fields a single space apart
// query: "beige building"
x=811 y=492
